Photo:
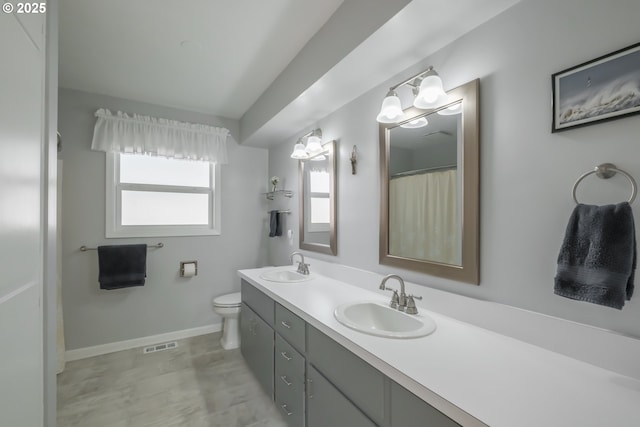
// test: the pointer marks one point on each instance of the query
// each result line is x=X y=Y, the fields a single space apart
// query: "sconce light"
x=427 y=89
x=313 y=150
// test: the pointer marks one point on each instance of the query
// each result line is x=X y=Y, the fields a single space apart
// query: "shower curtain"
x=423 y=217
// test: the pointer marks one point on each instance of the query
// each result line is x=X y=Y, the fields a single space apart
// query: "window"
x=319 y=202
x=154 y=196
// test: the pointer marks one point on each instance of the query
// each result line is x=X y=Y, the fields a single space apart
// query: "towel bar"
x=606 y=171
x=84 y=248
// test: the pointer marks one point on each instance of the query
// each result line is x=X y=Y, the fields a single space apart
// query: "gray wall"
x=526 y=172
x=167 y=302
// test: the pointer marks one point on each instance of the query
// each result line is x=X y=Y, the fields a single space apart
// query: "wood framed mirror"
x=429 y=201
x=317 y=184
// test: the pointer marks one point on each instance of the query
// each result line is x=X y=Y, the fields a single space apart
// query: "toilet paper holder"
x=184 y=263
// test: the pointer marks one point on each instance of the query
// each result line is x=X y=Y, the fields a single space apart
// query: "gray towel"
x=597 y=259
x=122 y=266
x=275 y=228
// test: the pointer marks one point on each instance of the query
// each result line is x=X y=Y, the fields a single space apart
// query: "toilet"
x=228 y=306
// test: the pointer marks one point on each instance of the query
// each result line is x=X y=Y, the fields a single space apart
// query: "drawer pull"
x=285 y=324
x=284 y=354
x=286 y=411
x=284 y=380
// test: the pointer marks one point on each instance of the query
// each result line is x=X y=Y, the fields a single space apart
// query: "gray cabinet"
x=257 y=347
x=289 y=382
x=407 y=409
x=327 y=406
x=316 y=382
x=357 y=380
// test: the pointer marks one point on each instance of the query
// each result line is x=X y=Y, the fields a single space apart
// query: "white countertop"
x=501 y=381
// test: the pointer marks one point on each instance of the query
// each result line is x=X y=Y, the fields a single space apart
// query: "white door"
x=21 y=253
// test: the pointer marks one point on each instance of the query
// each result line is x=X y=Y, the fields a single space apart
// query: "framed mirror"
x=429 y=168
x=317 y=181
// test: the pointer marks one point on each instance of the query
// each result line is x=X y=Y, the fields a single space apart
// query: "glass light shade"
x=391 y=111
x=319 y=158
x=314 y=145
x=431 y=91
x=452 y=110
x=415 y=124
x=299 y=152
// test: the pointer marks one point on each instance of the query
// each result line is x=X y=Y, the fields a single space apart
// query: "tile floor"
x=197 y=384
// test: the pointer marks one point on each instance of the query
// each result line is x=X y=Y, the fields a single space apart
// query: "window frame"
x=114 y=188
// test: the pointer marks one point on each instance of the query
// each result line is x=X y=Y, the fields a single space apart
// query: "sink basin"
x=285 y=276
x=378 y=319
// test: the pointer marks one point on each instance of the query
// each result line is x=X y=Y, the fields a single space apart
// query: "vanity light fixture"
x=313 y=148
x=427 y=89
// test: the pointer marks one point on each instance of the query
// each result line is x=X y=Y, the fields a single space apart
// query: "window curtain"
x=423 y=217
x=136 y=134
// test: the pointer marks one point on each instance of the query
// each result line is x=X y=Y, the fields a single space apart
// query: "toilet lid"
x=228 y=300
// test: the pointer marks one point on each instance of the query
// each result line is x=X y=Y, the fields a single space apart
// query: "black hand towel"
x=597 y=259
x=273 y=223
x=279 y=225
x=122 y=266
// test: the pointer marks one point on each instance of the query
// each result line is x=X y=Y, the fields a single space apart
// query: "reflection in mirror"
x=424 y=220
x=429 y=189
x=317 y=202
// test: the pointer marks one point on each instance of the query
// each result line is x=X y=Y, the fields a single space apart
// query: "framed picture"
x=605 y=88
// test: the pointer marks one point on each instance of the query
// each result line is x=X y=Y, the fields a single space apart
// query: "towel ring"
x=606 y=171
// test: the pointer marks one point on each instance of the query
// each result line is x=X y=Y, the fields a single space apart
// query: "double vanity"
x=326 y=352
x=314 y=380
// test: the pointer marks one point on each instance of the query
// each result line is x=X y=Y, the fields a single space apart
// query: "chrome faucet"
x=402 y=302
x=302 y=267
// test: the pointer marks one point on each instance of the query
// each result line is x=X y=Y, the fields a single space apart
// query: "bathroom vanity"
x=321 y=373
x=317 y=382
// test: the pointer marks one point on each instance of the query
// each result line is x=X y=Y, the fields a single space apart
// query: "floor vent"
x=160 y=347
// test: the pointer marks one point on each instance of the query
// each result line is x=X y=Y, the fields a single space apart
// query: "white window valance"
x=123 y=133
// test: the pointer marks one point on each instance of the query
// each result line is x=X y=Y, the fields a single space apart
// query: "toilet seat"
x=228 y=300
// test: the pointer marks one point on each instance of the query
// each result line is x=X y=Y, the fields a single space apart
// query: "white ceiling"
x=232 y=50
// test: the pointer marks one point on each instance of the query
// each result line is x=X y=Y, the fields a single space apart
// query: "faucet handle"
x=411 y=304
x=303 y=268
x=395 y=298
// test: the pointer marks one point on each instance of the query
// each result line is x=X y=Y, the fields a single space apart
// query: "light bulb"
x=430 y=92
x=391 y=111
x=299 y=152
x=314 y=145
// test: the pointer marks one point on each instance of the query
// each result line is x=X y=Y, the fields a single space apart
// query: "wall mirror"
x=429 y=168
x=317 y=181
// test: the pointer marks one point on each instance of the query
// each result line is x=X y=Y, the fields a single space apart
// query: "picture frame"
x=605 y=88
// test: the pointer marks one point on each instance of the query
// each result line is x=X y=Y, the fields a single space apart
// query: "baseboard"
x=83 y=353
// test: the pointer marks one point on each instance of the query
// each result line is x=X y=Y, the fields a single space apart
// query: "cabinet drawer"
x=288 y=361
x=406 y=408
x=258 y=301
x=356 y=379
x=326 y=406
x=290 y=402
x=290 y=327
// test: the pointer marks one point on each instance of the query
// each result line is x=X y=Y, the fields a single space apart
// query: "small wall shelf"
x=272 y=194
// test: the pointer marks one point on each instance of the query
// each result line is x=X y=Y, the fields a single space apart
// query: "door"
x=21 y=235
x=256 y=340
x=326 y=406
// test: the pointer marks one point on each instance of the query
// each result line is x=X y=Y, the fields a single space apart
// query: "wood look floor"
x=198 y=384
